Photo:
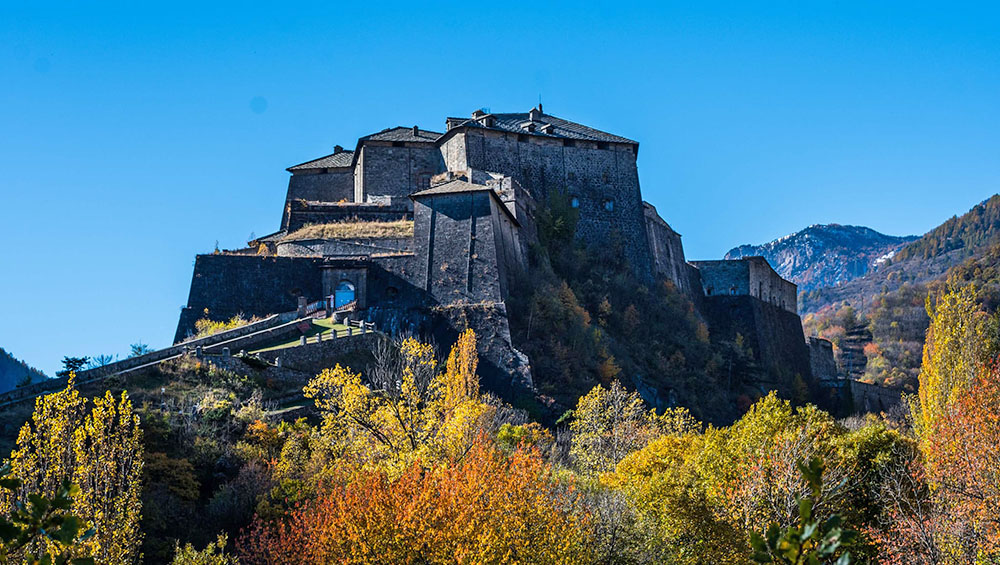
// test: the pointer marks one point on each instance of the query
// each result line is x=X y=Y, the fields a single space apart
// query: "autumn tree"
x=409 y=410
x=487 y=507
x=100 y=450
x=609 y=423
x=953 y=354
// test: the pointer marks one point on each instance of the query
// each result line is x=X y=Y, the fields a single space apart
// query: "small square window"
x=574 y=202
x=522 y=137
x=609 y=205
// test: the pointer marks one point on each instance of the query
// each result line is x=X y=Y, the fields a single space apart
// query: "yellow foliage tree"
x=953 y=354
x=410 y=411
x=609 y=423
x=101 y=451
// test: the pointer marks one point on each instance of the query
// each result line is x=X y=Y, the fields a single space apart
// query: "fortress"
x=422 y=231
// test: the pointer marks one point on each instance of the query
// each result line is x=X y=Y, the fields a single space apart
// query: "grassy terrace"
x=323 y=326
x=353 y=230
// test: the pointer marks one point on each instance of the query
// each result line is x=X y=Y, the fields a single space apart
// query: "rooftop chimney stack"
x=337 y=149
x=416 y=131
x=534 y=114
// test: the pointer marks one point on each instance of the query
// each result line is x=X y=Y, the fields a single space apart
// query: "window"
x=574 y=202
x=708 y=291
x=391 y=292
x=607 y=178
x=398 y=144
x=602 y=145
x=522 y=137
x=732 y=290
x=569 y=143
x=609 y=205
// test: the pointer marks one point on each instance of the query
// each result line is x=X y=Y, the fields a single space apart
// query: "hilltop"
x=825 y=255
x=13 y=371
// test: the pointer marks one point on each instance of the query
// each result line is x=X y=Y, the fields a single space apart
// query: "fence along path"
x=271 y=327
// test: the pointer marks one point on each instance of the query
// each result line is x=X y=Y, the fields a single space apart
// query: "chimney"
x=337 y=149
x=534 y=114
x=416 y=131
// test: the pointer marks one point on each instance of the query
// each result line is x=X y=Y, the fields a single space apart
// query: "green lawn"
x=324 y=326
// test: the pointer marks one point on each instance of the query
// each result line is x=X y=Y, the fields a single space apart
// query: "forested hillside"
x=14 y=372
x=408 y=461
x=893 y=301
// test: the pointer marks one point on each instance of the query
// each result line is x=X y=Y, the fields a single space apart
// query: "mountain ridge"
x=825 y=255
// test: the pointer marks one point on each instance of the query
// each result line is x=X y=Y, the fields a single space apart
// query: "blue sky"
x=133 y=137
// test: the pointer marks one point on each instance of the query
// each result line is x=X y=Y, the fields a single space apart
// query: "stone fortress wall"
x=748 y=276
x=472 y=193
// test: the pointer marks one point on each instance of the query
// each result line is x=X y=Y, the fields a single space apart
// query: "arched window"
x=574 y=202
x=609 y=205
x=343 y=295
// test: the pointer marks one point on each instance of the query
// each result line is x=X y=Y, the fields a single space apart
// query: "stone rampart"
x=301 y=214
x=334 y=247
x=227 y=285
x=874 y=398
x=821 y=360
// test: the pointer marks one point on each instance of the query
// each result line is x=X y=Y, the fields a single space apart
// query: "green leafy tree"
x=42 y=531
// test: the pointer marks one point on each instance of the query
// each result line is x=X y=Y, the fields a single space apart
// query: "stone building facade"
x=472 y=193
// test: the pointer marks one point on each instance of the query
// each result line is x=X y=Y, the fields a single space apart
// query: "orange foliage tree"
x=487 y=507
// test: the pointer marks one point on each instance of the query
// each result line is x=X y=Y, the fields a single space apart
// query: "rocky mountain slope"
x=14 y=371
x=825 y=255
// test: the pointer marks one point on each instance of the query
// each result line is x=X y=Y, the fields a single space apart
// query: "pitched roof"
x=459 y=186
x=401 y=133
x=331 y=161
x=452 y=187
x=560 y=128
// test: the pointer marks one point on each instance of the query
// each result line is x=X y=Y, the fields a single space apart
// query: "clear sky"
x=133 y=137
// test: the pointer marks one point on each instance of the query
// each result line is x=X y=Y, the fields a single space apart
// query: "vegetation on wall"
x=353 y=230
x=584 y=318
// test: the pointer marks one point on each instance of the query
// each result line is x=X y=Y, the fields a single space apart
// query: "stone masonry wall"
x=457 y=248
x=333 y=247
x=767 y=285
x=334 y=186
x=385 y=170
x=750 y=276
x=227 y=285
x=774 y=334
x=301 y=214
x=821 y=360
x=724 y=278
x=604 y=182
x=667 y=252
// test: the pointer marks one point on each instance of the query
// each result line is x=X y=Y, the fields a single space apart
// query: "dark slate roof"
x=331 y=161
x=459 y=186
x=452 y=187
x=403 y=134
x=561 y=128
